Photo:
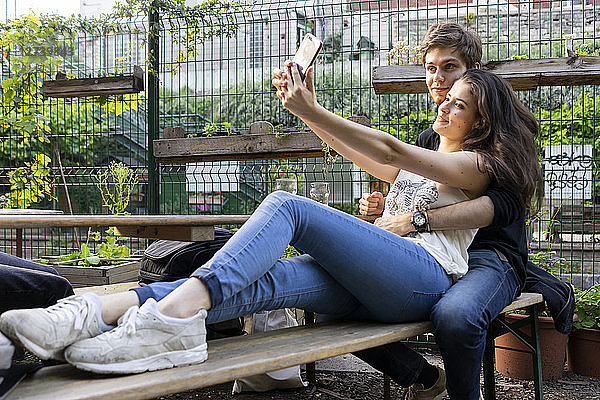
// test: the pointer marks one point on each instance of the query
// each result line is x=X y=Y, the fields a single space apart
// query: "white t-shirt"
x=411 y=192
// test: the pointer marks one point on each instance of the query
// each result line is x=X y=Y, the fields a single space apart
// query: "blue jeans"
x=25 y=284
x=351 y=268
x=461 y=319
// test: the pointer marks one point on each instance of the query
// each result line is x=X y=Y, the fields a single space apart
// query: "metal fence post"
x=153 y=107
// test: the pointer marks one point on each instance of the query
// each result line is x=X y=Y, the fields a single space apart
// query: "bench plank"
x=69 y=221
x=182 y=232
x=229 y=358
x=524 y=300
x=107 y=289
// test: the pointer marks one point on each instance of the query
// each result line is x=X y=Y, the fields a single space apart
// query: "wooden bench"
x=243 y=356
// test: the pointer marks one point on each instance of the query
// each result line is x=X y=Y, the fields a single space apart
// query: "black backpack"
x=169 y=260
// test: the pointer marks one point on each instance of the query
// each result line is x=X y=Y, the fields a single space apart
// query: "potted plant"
x=583 y=351
x=512 y=358
x=112 y=261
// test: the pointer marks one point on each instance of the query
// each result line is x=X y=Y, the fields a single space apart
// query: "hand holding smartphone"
x=307 y=53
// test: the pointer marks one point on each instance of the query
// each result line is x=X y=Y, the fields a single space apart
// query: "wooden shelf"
x=521 y=74
x=238 y=147
x=110 y=85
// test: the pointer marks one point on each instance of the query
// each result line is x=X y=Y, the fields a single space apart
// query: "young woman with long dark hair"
x=350 y=269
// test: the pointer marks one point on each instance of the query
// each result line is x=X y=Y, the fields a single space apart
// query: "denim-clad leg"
x=393 y=279
x=293 y=282
x=25 y=284
x=362 y=272
x=464 y=313
x=460 y=319
x=401 y=363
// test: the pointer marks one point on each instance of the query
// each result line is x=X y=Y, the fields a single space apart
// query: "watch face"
x=419 y=219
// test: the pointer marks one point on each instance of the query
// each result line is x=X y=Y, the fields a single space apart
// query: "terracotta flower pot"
x=516 y=364
x=583 y=352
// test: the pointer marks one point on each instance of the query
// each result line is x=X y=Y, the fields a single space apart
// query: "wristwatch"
x=420 y=221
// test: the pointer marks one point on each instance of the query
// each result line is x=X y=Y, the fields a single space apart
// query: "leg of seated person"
x=14 y=261
x=28 y=288
x=378 y=267
x=461 y=319
x=401 y=363
x=162 y=341
x=283 y=286
x=361 y=258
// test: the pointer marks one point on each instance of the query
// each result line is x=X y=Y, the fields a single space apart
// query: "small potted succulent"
x=583 y=352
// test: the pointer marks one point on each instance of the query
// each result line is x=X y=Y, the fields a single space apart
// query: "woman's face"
x=457 y=114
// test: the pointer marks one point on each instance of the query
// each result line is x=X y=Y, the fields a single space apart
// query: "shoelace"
x=412 y=392
x=68 y=307
x=126 y=324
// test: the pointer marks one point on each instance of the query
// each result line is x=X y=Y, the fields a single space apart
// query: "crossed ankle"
x=176 y=312
x=97 y=300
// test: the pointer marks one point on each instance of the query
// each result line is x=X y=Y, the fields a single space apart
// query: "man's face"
x=443 y=66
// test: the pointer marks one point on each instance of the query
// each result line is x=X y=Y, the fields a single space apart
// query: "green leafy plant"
x=545 y=259
x=470 y=19
x=108 y=252
x=587 y=307
x=290 y=252
x=212 y=129
x=402 y=53
x=116 y=184
x=284 y=170
x=111 y=248
x=29 y=184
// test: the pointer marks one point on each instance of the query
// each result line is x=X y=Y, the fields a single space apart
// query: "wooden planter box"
x=525 y=74
x=79 y=276
x=110 y=85
x=238 y=147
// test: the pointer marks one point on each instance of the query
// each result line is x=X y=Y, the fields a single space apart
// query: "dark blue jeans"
x=461 y=319
x=25 y=284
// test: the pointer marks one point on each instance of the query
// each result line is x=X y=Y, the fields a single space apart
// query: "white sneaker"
x=7 y=349
x=144 y=340
x=46 y=332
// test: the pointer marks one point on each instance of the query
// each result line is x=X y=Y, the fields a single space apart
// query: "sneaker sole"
x=440 y=396
x=9 y=330
x=167 y=360
x=40 y=352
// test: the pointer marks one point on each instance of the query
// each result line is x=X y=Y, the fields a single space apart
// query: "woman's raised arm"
x=381 y=171
x=459 y=169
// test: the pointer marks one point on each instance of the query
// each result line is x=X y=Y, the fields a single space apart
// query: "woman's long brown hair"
x=505 y=138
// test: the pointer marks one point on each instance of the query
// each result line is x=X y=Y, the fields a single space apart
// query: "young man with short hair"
x=497 y=256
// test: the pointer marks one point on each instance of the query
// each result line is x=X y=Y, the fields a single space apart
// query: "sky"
x=63 y=7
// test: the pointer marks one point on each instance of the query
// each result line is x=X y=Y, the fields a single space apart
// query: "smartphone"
x=307 y=53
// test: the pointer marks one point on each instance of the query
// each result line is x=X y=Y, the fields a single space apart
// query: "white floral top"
x=411 y=192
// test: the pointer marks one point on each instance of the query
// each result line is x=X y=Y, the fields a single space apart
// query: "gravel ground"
x=368 y=385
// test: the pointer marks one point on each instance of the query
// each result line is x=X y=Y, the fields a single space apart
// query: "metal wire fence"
x=224 y=86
